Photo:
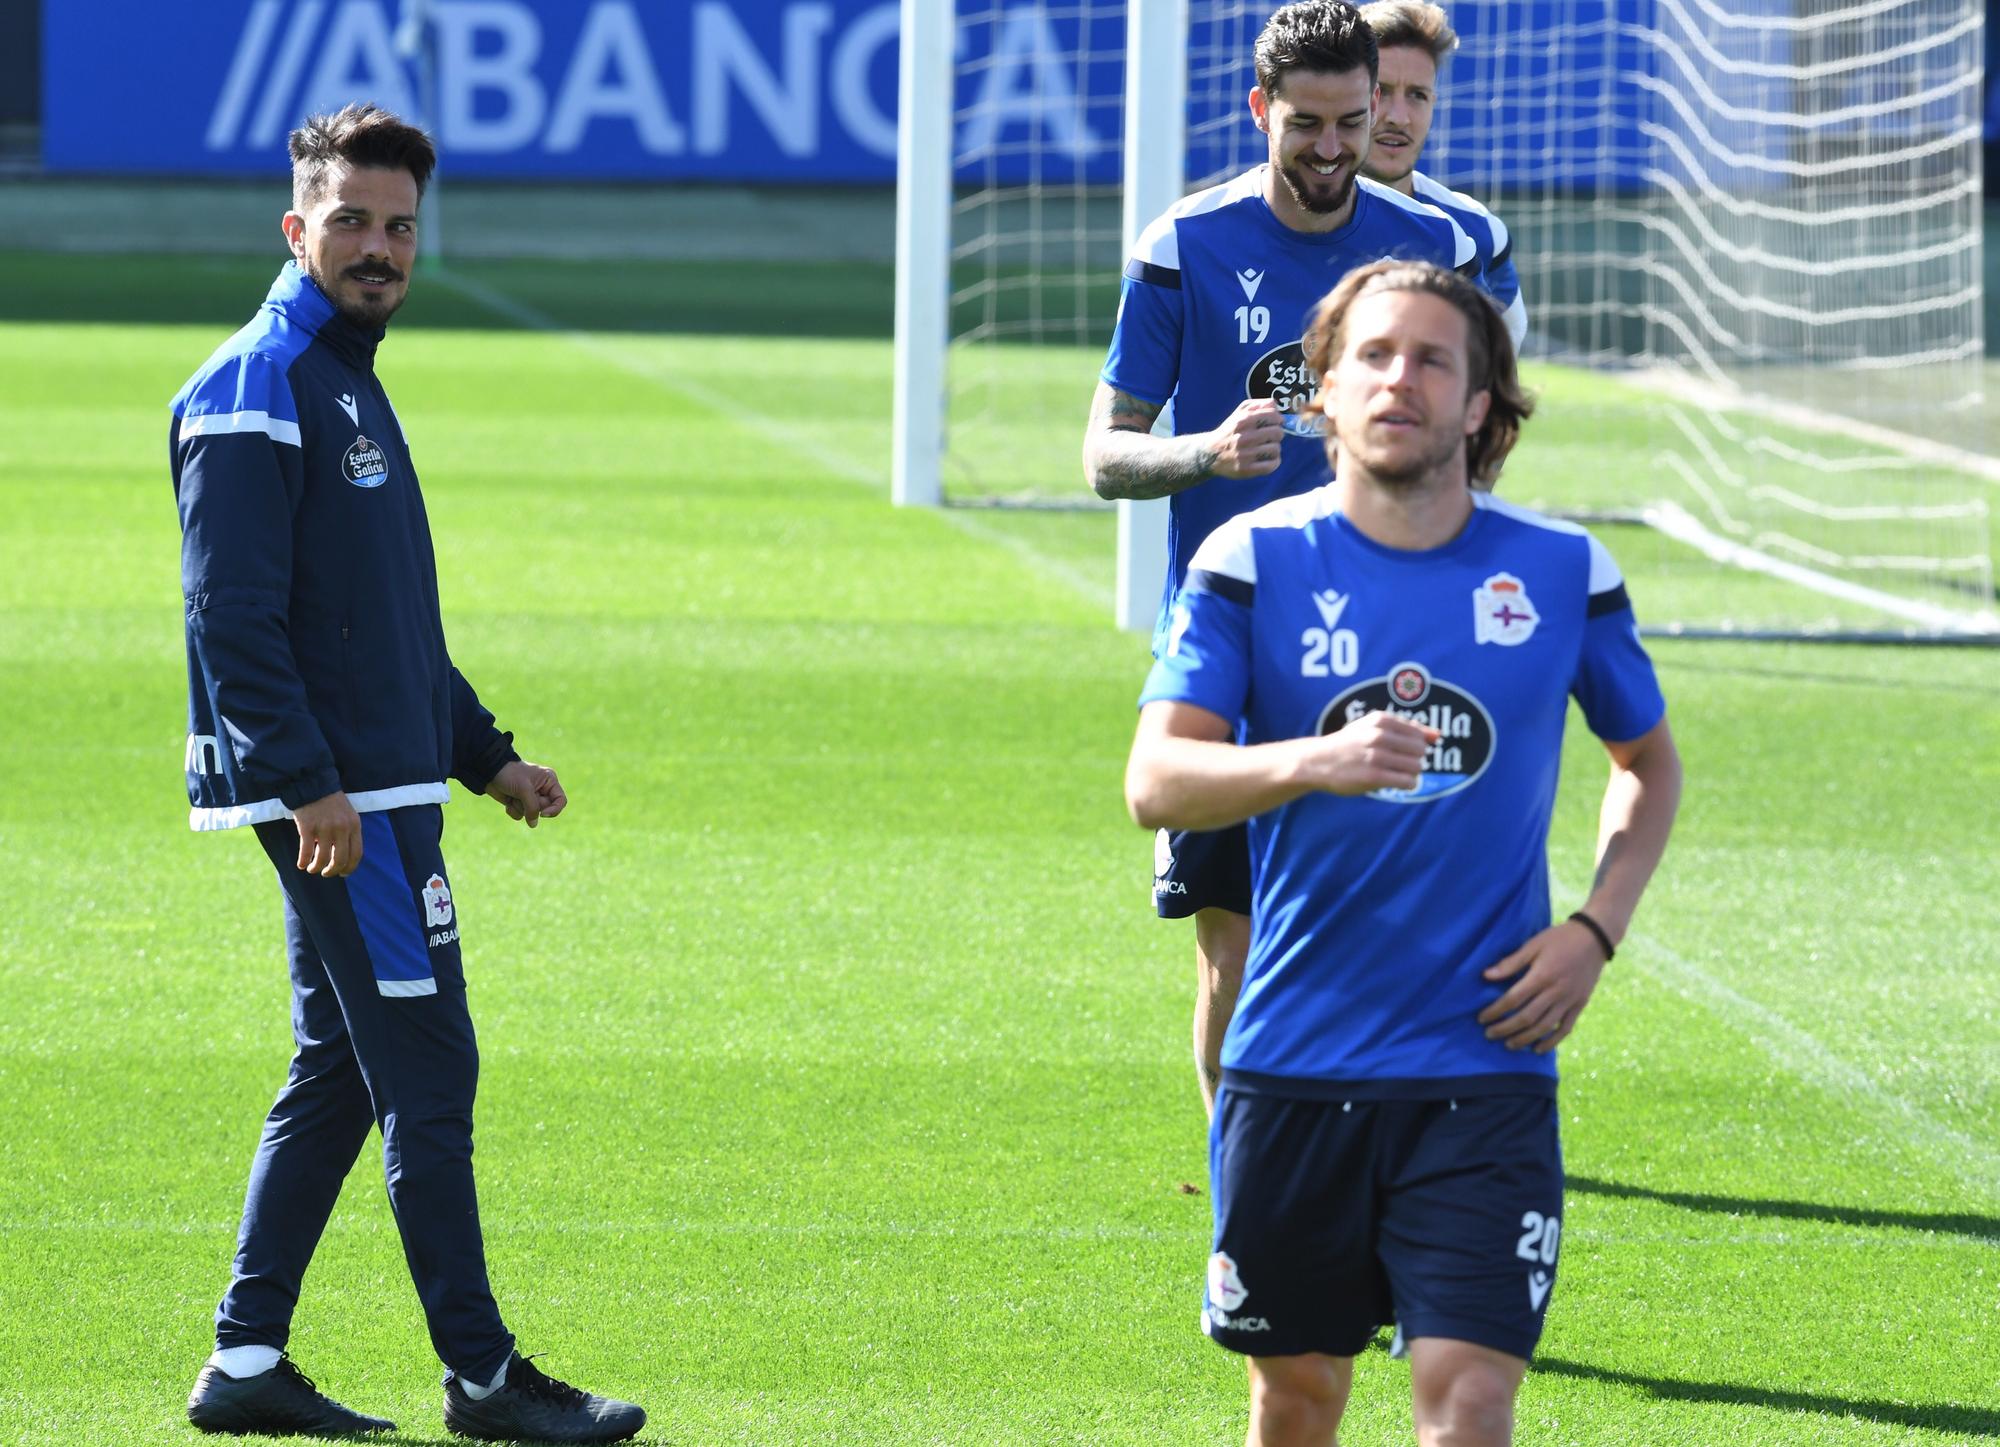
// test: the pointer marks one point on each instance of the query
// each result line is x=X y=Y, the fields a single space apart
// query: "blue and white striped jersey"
x=1372 y=917
x=1217 y=293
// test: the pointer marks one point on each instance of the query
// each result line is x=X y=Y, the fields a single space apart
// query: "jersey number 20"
x=1337 y=653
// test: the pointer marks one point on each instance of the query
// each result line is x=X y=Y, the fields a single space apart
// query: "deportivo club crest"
x=364 y=465
x=1502 y=612
x=437 y=902
x=1225 y=1287
x=1465 y=741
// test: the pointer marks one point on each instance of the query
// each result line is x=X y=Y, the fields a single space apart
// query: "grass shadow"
x=1954 y=1223
x=1935 y=1417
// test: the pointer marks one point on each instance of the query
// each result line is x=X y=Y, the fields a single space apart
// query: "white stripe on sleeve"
x=212 y=424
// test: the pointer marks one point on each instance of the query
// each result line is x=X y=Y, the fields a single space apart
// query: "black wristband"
x=1597 y=929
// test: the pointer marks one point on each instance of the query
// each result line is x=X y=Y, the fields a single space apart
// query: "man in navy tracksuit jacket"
x=325 y=714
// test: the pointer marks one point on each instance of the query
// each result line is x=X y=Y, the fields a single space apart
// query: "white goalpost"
x=1156 y=90
x=1748 y=235
x=923 y=251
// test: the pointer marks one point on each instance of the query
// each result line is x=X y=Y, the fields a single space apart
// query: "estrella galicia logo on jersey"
x=1502 y=612
x=1282 y=375
x=1465 y=729
x=365 y=465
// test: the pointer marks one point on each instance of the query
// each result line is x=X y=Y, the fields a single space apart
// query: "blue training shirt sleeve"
x=1615 y=684
x=1145 y=356
x=1205 y=657
x=1145 y=352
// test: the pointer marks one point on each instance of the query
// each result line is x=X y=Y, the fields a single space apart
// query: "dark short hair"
x=1328 y=36
x=354 y=136
x=1489 y=362
x=1416 y=24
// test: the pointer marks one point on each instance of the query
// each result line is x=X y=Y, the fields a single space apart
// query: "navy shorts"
x=1201 y=869
x=1334 y=1218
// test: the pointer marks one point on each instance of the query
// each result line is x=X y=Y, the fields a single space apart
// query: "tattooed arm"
x=1122 y=457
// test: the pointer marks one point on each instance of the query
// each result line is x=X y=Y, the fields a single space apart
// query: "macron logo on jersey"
x=1250 y=279
x=1331 y=604
x=350 y=407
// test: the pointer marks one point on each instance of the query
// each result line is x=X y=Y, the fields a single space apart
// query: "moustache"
x=384 y=269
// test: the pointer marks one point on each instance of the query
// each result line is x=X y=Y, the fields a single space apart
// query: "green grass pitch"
x=836 y=1082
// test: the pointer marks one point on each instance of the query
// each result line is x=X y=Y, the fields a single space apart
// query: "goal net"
x=1748 y=235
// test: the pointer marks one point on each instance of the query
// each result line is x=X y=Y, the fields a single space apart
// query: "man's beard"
x=372 y=315
x=1415 y=470
x=1295 y=182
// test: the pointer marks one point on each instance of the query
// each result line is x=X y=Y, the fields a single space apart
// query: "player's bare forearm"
x=1123 y=459
x=1640 y=801
x=1139 y=465
x=1187 y=772
x=1184 y=783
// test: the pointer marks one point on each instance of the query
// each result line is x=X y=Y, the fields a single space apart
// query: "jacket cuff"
x=495 y=755
x=307 y=787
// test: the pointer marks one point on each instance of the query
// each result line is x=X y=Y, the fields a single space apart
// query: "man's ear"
x=294 y=227
x=1476 y=408
x=1260 y=108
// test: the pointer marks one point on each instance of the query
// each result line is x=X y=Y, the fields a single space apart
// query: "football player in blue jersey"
x=1412 y=40
x=1212 y=319
x=1376 y=676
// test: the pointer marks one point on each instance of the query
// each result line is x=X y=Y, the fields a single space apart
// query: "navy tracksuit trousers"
x=383 y=1039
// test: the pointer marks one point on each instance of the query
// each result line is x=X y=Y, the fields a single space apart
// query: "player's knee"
x=1472 y=1405
x=419 y=1146
x=1297 y=1399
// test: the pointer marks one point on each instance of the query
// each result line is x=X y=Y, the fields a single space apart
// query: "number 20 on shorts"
x=1540 y=1236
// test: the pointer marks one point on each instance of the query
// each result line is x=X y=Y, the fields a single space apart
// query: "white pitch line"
x=1808 y=1058
x=1812 y=421
x=1811 y=1060
x=1100 y=594
x=795 y=438
x=1674 y=521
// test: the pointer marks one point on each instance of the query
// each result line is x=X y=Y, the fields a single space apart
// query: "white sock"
x=477 y=1392
x=244 y=1361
